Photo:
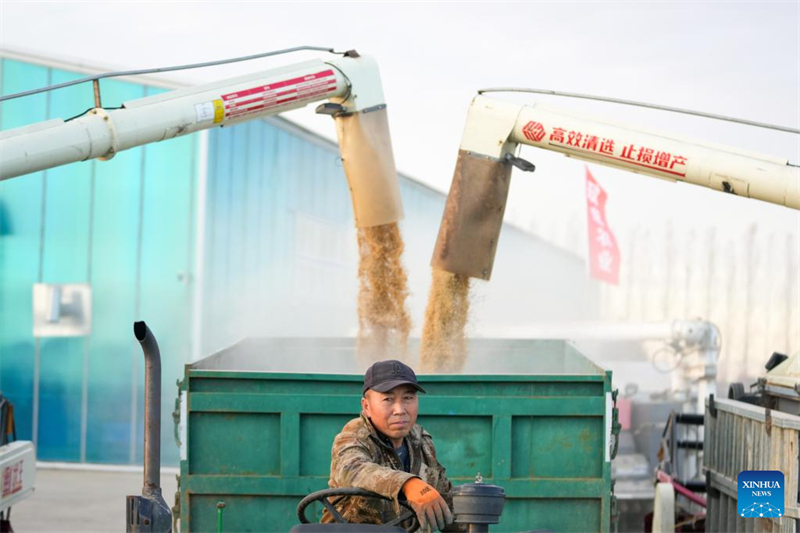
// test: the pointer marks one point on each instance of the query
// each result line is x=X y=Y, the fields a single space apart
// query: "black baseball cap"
x=383 y=376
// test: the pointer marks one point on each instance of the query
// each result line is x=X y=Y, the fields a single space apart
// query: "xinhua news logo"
x=760 y=494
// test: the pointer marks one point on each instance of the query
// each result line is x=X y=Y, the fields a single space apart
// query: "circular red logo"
x=533 y=131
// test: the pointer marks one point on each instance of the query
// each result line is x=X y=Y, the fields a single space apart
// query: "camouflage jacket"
x=360 y=458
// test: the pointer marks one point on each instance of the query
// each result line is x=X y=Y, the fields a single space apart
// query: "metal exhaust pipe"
x=149 y=512
x=152 y=407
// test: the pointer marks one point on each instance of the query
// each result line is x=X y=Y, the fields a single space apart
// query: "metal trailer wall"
x=739 y=437
x=211 y=238
x=532 y=416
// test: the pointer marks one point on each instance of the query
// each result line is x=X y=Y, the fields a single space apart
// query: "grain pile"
x=444 y=343
x=383 y=320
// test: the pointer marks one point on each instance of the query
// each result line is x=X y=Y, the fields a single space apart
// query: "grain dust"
x=444 y=342
x=383 y=320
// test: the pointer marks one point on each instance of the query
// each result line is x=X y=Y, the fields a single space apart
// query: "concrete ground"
x=77 y=500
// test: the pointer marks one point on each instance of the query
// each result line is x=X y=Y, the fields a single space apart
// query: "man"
x=384 y=451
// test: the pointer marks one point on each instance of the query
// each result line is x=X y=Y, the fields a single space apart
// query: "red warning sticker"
x=257 y=99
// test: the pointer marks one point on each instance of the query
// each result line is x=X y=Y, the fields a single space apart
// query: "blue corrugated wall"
x=126 y=227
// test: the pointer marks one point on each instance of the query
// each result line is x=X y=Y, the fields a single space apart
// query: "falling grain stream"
x=444 y=342
x=383 y=320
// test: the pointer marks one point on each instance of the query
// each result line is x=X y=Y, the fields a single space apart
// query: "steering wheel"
x=345 y=492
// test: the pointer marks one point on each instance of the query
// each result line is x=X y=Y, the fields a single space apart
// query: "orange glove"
x=429 y=505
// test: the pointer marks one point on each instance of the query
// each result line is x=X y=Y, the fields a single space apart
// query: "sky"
x=739 y=59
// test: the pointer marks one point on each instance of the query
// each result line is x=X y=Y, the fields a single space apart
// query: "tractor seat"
x=346 y=528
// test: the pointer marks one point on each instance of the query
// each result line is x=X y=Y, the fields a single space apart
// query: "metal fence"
x=740 y=437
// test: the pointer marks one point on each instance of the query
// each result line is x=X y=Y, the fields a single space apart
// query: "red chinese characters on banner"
x=603 y=250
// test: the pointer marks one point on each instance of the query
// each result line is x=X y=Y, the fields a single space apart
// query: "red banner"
x=603 y=249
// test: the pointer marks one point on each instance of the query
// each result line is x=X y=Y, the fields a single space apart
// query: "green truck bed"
x=257 y=421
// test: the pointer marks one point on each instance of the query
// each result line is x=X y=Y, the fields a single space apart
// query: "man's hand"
x=429 y=505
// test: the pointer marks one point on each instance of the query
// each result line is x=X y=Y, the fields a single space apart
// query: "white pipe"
x=495 y=128
x=198 y=280
x=101 y=133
